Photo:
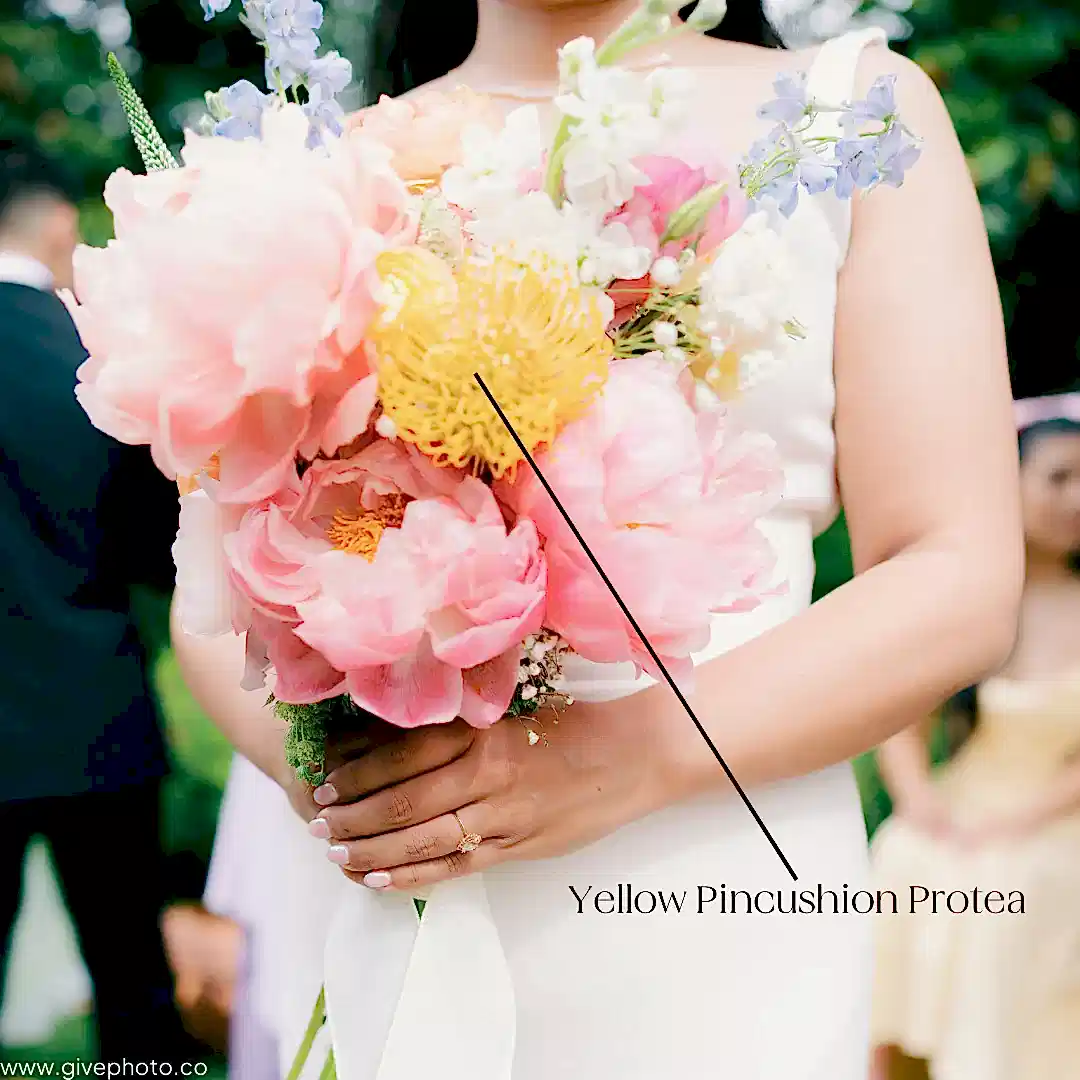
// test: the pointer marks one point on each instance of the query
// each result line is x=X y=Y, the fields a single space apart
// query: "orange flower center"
x=188 y=484
x=358 y=531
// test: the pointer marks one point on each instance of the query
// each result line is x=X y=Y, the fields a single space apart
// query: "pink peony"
x=667 y=497
x=300 y=674
x=671 y=184
x=424 y=130
x=272 y=552
x=228 y=314
x=431 y=628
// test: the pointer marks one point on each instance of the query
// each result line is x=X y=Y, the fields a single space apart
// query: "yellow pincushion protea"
x=533 y=334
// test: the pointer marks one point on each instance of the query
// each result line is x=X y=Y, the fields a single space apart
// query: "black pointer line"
x=637 y=629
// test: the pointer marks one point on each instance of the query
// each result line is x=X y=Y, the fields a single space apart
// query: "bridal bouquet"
x=421 y=374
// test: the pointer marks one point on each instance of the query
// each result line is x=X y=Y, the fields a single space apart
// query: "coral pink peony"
x=272 y=551
x=667 y=497
x=430 y=628
x=227 y=315
x=424 y=130
x=300 y=674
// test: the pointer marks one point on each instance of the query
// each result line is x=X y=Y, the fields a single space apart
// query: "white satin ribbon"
x=409 y=999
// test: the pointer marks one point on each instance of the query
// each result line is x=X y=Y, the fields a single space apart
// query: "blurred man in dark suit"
x=82 y=518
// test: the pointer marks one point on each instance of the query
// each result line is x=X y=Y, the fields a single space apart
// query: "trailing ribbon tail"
x=407 y=1001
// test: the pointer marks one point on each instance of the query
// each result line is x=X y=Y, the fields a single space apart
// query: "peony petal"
x=414 y=691
x=351 y=417
x=480 y=643
x=489 y=688
x=301 y=675
x=260 y=459
x=365 y=613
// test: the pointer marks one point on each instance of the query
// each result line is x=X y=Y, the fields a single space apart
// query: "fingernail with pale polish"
x=319 y=828
x=378 y=880
x=325 y=795
x=338 y=853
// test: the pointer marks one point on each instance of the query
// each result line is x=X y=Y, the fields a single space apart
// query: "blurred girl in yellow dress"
x=997 y=996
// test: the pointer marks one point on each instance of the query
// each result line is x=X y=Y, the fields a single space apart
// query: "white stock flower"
x=533 y=230
x=614 y=123
x=576 y=57
x=670 y=93
x=618 y=116
x=494 y=162
x=610 y=254
x=529 y=227
x=745 y=298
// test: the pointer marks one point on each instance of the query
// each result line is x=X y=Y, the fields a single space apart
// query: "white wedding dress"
x=504 y=979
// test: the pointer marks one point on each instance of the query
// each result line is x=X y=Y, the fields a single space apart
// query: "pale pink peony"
x=424 y=130
x=227 y=316
x=431 y=628
x=667 y=497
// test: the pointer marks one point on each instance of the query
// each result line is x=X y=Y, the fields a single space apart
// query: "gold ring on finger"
x=470 y=841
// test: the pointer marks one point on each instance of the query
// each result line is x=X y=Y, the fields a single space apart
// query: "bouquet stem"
x=329 y=1071
x=318 y=1018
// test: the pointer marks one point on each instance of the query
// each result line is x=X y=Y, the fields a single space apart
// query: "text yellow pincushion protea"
x=533 y=334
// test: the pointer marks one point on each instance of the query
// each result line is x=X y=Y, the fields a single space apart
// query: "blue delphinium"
x=291 y=41
x=331 y=73
x=896 y=153
x=879 y=105
x=240 y=108
x=874 y=148
x=327 y=77
x=294 y=70
x=857 y=164
x=214 y=7
x=791 y=104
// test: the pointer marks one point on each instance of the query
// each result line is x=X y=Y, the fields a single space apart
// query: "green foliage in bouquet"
x=310 y=728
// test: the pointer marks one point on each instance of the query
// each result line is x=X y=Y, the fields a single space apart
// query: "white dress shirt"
x=19 y=269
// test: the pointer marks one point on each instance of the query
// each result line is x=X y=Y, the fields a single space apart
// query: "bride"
x=898 y=401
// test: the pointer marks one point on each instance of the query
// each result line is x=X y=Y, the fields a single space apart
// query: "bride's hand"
x=390 y=815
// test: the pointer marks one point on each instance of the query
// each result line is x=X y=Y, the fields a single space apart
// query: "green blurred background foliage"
x=1009 y=71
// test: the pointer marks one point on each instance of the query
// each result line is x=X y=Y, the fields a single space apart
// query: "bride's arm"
x=212 y=668
x=928 y=475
